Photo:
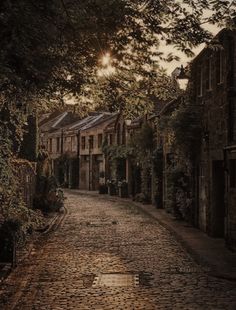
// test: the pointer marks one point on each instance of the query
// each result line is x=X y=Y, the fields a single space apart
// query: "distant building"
x=92 y=158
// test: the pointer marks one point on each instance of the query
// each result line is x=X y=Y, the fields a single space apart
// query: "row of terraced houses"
x=76 y=146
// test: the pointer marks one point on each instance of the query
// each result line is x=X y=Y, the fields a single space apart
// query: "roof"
x=217 y=36
x=59 y=121
x=45 y=118
x=99 y=119
x=169 y=106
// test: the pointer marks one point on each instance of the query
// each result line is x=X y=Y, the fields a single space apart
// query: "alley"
x=107 y=254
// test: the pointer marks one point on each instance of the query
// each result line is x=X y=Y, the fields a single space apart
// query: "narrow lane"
x=109 y=255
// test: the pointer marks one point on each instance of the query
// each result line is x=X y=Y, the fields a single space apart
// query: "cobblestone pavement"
x=109 y=255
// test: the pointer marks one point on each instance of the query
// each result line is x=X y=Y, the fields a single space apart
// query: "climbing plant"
x=183 y=124
x=142 y=141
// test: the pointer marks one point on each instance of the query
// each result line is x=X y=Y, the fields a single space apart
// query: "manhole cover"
x=100 y=223
x=116 y=280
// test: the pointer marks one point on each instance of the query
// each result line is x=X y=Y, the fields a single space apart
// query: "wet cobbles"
x=104 y=237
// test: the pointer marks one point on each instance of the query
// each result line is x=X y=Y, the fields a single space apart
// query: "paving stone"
x=121 y=244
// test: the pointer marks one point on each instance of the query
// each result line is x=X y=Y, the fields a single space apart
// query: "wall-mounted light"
x=182 y=78
x=128 y=122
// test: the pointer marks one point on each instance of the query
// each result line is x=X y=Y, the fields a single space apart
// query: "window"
x=123 y=134
x=91 y=142
x=219 y=67
x=231 y=73
x=50 y=145
x=110 y=139
x=68 y=144
x=58 y=144
x=200 y=81
x=118 y=134
x=73 y=143
x=83 y=141
x=99 y=140
x=232 y=173
x=208 y=74
x=232 y=120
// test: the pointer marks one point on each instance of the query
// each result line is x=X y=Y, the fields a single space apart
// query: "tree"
x=135 y=91
x=51 y=48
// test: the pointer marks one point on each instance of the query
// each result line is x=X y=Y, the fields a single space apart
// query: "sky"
x=170 y=67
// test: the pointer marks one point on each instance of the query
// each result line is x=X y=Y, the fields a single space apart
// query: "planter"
x=112 y=189
x=102 y=189
x=123 y=191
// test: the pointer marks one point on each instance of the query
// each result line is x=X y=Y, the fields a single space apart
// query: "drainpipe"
x=89 y=164
x=62 y=137
x=78 y=157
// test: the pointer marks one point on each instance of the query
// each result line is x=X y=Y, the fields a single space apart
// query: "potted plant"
x=102 y=189
x=111 y=184
x=123 y=189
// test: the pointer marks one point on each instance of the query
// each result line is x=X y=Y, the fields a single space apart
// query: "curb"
x=214 y=272
x=7 y=268
x=211 y=269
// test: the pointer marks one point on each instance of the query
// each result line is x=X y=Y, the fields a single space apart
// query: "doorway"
x=218 y=203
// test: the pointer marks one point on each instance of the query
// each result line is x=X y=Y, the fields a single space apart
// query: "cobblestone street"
x=107 y=254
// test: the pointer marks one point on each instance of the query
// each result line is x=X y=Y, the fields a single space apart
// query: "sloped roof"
x=221 y=33
x=99 y=119
x=170 y=106
x=47 y=117
x=61 y=120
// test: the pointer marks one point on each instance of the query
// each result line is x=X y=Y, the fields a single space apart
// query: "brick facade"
x=213 y=73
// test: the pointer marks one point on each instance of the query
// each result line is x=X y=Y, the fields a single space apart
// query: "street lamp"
x=182 y=78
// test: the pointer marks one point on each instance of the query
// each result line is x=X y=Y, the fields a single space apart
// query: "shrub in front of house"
x=103 y=189
x=123 y=189
x=112 y=188
x=48 y=197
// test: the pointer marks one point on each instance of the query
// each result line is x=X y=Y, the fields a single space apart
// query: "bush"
x=48 y=197
x=141 y=197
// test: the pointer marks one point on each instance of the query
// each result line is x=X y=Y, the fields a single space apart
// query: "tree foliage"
x=51 y=48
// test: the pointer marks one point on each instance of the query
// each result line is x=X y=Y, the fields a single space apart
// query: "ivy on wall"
x=142 y=142
x=184 y=124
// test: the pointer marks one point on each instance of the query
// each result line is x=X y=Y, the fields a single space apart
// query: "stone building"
x=61 y=145
x=213 y=78
x=92 y=158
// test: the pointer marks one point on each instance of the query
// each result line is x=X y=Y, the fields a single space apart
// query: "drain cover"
x=116 y=280
x=100 y=223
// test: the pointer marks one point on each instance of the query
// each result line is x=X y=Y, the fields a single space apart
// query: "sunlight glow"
x=106 y=69
x=106 y=60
